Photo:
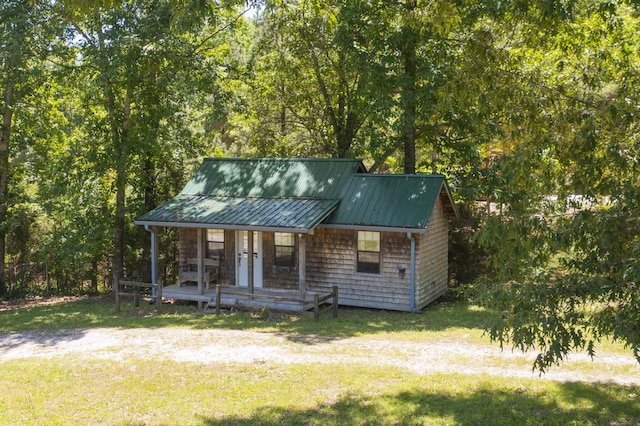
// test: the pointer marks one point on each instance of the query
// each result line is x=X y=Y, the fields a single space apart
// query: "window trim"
x=292 y=247
x=377 y=270
x=209 y=252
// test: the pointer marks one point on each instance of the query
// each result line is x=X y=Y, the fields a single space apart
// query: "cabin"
x=305 y=226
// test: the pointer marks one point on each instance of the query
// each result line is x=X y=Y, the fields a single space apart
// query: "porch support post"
x=250 y=261
x=302 y=264
x=154 y=256
x=156 y=292
x=200 y=250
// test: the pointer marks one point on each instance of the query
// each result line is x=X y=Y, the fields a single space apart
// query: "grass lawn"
x=67 y=390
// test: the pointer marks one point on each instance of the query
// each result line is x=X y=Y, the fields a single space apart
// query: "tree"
x=26 y=31
x=564 y=254
x=318 y=79
x=140 y=63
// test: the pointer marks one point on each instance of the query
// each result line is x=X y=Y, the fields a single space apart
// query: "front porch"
x=231 y=296
x=310 y=302
x=242 y=296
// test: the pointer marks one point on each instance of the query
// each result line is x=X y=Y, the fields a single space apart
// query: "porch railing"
x=318 y=301
x=129 y=288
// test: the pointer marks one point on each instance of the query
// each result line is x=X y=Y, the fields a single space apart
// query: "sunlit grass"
x=100 y=313
x=62 y=390
x=68 y=390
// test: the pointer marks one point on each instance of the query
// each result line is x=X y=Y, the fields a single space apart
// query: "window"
x=368 y=252
x=215 y=244
x=285 y=249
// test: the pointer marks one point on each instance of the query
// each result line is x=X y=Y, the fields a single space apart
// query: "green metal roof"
x=265 y=214
x=388 y=201
x=273 y=177
x=298 y=195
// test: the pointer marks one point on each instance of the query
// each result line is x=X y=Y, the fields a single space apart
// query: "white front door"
x=242 y=263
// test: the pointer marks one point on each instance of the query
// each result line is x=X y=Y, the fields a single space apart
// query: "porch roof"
x=263 y=194
x=273 y=177
x=243 y=213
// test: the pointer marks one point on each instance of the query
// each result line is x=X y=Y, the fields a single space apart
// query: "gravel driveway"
x=234 y=346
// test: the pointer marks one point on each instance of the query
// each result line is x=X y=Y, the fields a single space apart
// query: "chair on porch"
x=189 y=271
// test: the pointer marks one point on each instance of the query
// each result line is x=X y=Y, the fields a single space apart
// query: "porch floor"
x=240 y=296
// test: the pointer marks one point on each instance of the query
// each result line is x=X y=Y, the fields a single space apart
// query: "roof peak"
x=363 y=175
x=279 y=159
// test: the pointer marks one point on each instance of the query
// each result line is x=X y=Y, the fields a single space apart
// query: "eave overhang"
x=374 y=228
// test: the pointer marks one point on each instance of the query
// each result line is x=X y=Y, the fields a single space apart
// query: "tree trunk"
x=120 y=143
x=283 y=112
x=408 y=90
x=7 y=116
x=119 y=126
x=150 y=203
x=344 y=121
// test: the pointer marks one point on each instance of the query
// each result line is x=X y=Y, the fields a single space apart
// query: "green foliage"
x=563 y=256
x=466 y=258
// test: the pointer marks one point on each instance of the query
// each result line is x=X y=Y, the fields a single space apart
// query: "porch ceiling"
x=292 y=214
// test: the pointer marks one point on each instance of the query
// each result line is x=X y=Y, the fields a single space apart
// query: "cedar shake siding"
x=188 y=248
x=277 y=277
x=331 y=260
x=274 y=277
x=432 y=259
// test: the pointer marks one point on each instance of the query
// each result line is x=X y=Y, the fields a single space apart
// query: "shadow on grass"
x=39 y=338
x=577 y=403
x=99 y=312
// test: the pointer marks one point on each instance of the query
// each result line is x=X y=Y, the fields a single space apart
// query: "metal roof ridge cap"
x=282 y=159
x=363 y=175
x=287 y=197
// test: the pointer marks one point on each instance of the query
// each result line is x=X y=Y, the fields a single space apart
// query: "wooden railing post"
x=335 y=301
x=159 y=296
x=116 y=292
x=136 y=296
x=316 y=307
x=218 y=297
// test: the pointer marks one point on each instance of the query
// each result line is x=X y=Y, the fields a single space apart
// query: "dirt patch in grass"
x=31 y=302
x=422 y=355
x=212 y=346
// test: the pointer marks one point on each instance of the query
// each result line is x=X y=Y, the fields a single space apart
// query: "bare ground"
x=8 y=305
x=251 y=347
x=257 y=347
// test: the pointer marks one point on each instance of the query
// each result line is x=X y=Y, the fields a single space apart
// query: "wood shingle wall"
x=277 y=277
x=331 y=260
x=188 y=248
x=432 y=275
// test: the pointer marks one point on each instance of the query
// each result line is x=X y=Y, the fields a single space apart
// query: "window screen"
x=368 y=252
x=215 y=244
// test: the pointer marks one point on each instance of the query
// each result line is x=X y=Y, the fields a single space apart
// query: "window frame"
x=368 y=267
x=218 y=252
x=292 y=248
